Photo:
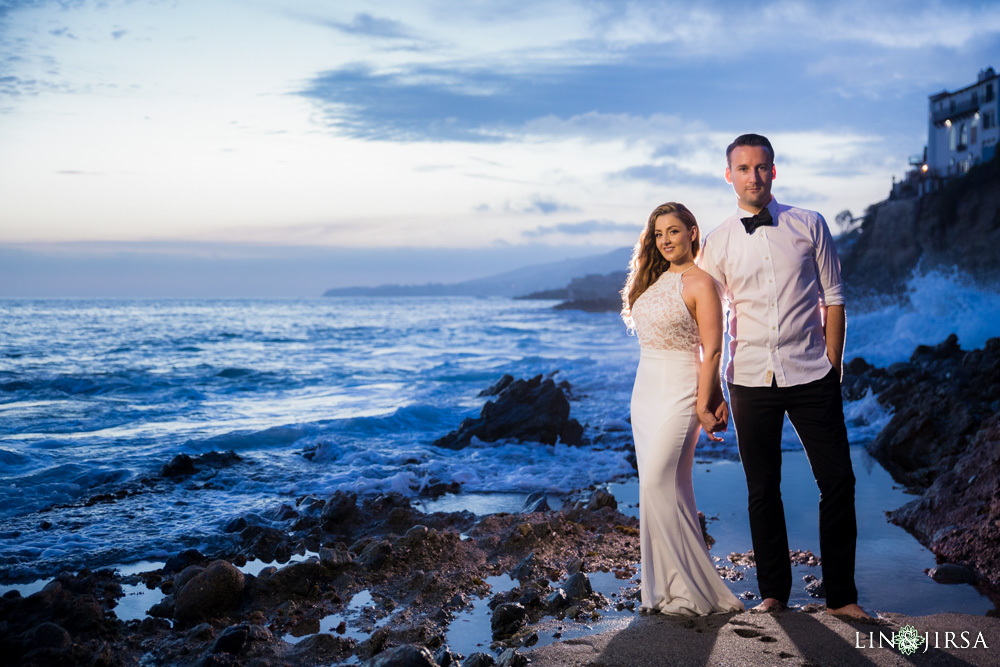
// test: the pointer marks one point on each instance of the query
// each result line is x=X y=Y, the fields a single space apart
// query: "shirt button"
x=767 y=258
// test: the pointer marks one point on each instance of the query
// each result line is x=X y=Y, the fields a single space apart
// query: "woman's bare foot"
x=769 y=605
x=849 y=611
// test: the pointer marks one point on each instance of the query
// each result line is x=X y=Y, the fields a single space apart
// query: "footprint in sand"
x=747 y=633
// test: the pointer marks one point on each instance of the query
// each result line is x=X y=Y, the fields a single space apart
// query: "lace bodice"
x=662 y=319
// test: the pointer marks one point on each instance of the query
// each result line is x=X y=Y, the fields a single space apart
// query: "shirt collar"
x=772 y=206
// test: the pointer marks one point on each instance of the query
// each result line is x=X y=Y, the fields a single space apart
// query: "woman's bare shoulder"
x=698 y=277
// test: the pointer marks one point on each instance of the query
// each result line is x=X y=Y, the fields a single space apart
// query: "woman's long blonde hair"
x=647 y=264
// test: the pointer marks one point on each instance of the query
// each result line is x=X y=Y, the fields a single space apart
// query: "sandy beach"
x=788 y=638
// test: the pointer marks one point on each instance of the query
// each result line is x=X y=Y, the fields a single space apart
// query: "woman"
x=674 y=308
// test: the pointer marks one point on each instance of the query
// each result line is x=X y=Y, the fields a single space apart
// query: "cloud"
x=666 y=174
x=448 y=102
x=581 y=228
x=533 y=205
x=62 y=32
x=118 y=34
x=663 y=60
x=371 y=26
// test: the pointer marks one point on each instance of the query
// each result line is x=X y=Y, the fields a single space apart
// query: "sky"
x=284 y=147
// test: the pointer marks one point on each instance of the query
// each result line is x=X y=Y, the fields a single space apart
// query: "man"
x=779 y=272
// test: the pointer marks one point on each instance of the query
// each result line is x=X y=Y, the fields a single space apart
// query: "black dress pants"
x=816 y=412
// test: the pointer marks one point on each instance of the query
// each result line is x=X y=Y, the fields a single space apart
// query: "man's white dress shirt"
x=775 y=281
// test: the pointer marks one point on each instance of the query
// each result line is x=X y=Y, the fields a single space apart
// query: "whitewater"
x=322 y=394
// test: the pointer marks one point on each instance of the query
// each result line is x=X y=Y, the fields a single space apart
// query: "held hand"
x=711 y=436
x=722 y=414
x=710 y=424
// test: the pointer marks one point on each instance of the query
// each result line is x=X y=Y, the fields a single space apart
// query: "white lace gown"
x=678 y=576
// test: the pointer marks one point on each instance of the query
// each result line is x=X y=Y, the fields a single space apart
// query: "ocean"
x=322 y=394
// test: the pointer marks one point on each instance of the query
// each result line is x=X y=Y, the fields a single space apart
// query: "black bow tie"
x=762 y=219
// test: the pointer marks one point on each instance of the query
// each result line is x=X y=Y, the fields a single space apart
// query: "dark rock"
x=201 y=632
x=601 y=498
x=341 y=509
x=814 y=586
x=534 y=410
x=375 y=555
x=436 y=489
x=498 y=386
x=50 y=636
x=536 y=502
x=179 y=466
x=944 y=438
x=335 y=558
x=185 y=576
x=901 y=370
x=407 y=655
x=950 y=573
x=937 y=410
x=236 y=525
x=375 y=644
x=182 y=560
x=525 y=569
x=210 y=593
x=298 y=579
x=219 y=459
x=413 y=537
x=479 y=660
x=444 y=657
x=218 y=660
x=232 y=639
x=530 y=599
x=511 y=658
x=152 y=626
x=507 y=619
x=857 y=366
x=162 y=609
x=578 y=587
x=266 y=543
x=283 y=512
x=320 y=648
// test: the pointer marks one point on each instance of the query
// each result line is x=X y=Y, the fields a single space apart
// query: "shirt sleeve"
x=828 y=265
x=708 y=262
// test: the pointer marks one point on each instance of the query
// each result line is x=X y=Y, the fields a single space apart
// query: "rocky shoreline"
x=418 y=571
x=376 y=581
x=943 y=443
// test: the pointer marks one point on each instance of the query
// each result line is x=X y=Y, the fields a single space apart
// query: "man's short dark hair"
x=749 y=140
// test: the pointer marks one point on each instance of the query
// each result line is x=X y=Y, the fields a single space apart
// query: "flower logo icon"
x=908 y=640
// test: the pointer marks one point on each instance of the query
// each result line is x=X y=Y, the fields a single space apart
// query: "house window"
x=963 y=137
x=989 y=92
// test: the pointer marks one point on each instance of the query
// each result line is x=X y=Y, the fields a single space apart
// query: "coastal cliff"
x=943 y=443
x=958 y=225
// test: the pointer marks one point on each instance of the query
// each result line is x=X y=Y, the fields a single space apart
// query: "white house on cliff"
x=962 y=131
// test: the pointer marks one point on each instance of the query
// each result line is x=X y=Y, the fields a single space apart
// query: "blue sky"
x=485 y=132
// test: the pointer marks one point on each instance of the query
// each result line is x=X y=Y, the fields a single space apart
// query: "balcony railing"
x=954 y=110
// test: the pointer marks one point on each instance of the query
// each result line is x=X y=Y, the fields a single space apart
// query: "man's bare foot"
x=768 y=606
x=849 y=611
